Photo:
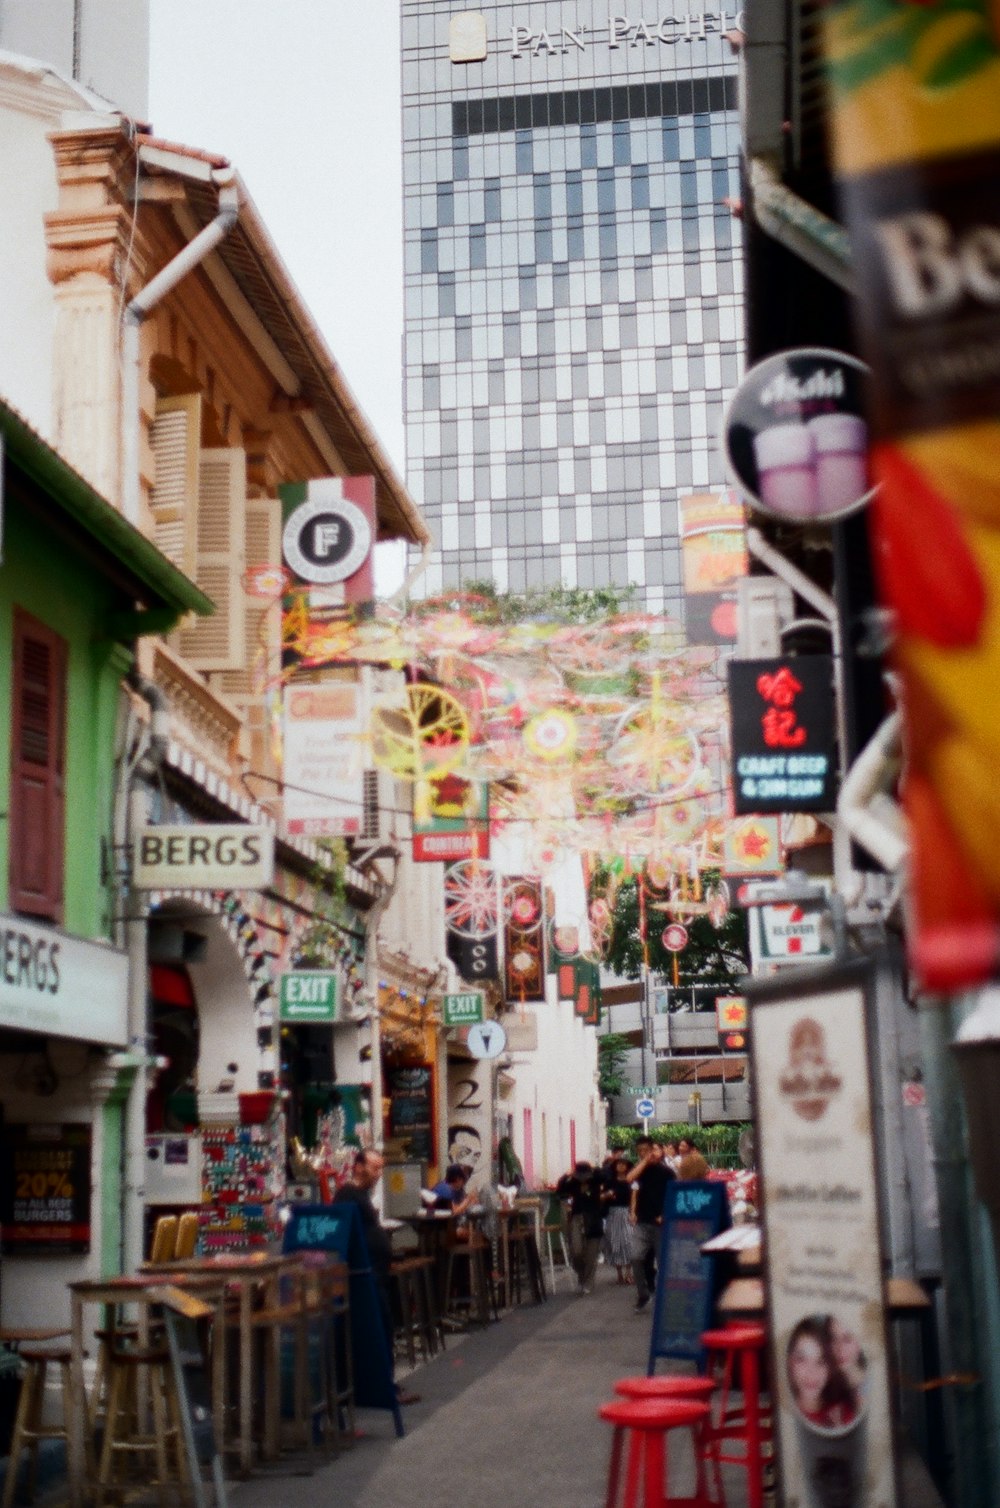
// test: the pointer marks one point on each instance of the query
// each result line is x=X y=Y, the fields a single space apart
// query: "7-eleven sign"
x=789 y=932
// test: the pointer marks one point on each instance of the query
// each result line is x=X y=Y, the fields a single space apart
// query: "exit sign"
x=463 y=1010
x=308 y=995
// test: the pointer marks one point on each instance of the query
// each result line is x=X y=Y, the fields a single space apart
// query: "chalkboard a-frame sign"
x=693 y=1212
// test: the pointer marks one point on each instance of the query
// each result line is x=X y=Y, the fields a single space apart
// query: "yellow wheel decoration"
x=426 y=735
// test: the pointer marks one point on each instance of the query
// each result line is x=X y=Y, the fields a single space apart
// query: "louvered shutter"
x=218 y=642
x=262 y=617
x=37 y=792
x=176 y=442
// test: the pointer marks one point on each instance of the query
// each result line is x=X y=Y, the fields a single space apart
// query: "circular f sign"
x=327 y=541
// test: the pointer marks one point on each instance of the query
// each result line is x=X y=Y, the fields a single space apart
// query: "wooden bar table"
x=142 y=1290
x=254 y=1277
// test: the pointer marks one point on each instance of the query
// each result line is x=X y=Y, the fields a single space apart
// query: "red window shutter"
x=37 y=789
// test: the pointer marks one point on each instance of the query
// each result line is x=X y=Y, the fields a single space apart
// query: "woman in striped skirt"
x=616 y=1243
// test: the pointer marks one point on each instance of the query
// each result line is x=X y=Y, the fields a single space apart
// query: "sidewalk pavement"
x=508 y=1416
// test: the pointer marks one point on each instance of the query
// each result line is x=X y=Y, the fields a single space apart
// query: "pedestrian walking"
x=690 y=1162
x=583 y=1191
x=650 y=1177
x=616 y=1243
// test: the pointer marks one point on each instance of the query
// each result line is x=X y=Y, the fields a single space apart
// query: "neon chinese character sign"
x=781 y=713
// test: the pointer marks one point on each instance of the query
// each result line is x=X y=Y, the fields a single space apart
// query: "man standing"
x=583 y=1190
x=367 y=1171
x=649 y=1180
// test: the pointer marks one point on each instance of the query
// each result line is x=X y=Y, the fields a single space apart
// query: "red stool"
x=647 y=1422
x=691 y=1390
x=739 y=1431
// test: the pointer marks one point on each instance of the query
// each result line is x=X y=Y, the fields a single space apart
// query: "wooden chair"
x=187 y=1236
x=164 y=1244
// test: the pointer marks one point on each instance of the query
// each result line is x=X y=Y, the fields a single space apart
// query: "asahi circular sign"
x=326 y=540
x=795 y=436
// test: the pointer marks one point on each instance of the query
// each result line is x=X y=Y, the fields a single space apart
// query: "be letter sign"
x=203 y=856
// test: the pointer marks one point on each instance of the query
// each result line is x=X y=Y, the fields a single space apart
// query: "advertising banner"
x=781 y=714
x=732 y=1022
x=324 y=760
x=916 y=144
x=822 y=1249
x=451 y=820
x=796 y=438
x=714 y=556
x=45 y=1189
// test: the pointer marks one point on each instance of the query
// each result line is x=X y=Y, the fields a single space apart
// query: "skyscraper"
x=573 y=284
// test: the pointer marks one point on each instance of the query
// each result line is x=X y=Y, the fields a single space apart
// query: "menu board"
x=411 y=1093
x=45 y=1189
x=694 y=1211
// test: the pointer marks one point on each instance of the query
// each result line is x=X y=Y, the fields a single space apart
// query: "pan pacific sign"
x=468 y=39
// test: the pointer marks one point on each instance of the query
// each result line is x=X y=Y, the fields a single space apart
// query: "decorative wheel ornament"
x=521 y=907
x=266 y=581
x=565 y=938
x=551 y=735
x=602 y=925
x=471 y=898
x=427 y=735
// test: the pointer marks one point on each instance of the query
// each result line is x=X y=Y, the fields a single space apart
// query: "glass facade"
x=573 y=286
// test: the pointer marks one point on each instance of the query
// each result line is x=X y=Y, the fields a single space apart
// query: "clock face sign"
x=326 y=540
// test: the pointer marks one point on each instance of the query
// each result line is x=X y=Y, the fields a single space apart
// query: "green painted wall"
x=40 y=574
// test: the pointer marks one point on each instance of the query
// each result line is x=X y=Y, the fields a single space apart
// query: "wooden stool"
x=29 y=1427
x=481 y=1299
x=291 y=1315
x=129 y=1368
x=647 y=1422
x=335 y=1292
x=739 y=1431
x=554 y=1234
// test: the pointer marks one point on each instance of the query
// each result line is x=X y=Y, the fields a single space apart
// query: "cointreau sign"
x=781 y=712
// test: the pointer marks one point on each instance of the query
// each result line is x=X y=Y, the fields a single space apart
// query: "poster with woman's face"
x=822 y=1261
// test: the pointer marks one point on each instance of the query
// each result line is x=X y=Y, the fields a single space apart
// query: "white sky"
x=303 y=97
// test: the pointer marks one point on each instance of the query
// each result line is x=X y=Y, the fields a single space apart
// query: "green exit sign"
x=308 y=995
x=463 y=1010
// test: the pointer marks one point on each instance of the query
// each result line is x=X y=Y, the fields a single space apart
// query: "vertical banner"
x=916 y=139
x=324 y=759
x=587 y=991
x=714 y=556
x=524 y=938
x=752 y=845
x=451 y=819
x=472 y=919
x=822 y=1247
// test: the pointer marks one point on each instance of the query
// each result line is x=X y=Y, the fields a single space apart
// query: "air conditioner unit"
x=765 y=606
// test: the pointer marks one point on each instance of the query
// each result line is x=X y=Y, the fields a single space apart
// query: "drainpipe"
x=131 y=814
x=144 y=302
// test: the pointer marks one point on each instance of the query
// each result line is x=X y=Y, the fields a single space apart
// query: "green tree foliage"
x=611 y=1052
x=719 y=1143
x=712 y=956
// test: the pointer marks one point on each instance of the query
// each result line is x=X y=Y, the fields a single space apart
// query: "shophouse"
x=79 y=586
x=184 y=378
